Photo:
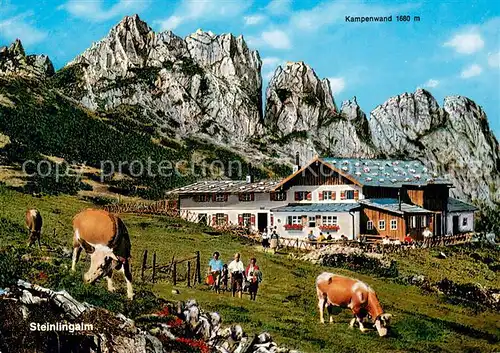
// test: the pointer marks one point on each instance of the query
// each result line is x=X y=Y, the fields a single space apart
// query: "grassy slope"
x=287 y=306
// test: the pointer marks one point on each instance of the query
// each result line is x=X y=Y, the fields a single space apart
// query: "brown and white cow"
x=34 y=224
x=345 y=292
x=105 y=237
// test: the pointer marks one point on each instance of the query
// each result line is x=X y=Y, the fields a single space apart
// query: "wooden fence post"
x=154 y=267
x=189 y=273
x=144 y=263
x=198 y=267
x=174 y=274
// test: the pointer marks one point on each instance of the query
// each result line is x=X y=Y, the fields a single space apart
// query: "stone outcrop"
x=454 y=141
x=176 y=328
x=14 y=61
x=204 y=84
x=301 y=113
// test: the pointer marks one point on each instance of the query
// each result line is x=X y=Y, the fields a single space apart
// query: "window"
x=246 y=197
x=201 y=198
x=381 y=225
x=278 y=196
x=329 y=220
x=413 y=222
x=394 y=224
x=294 y=220
x=312 y=221
x=423 y=221
x=247 y=219
x=302 y=195
x=327 y=195
x=220 y=197
x=221 y=219
x=465 y=221
x=369 y=225
x=202 y=218
x=349 y=194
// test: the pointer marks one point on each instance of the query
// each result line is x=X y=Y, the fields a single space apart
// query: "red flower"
x=42 y=276
x=197 y=344
x=330 y=227
x=163 y=312
x=293 y=226
x=175 y=323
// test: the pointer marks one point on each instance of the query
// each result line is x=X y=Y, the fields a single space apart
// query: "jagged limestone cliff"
x=14 y=61
x=204 y=84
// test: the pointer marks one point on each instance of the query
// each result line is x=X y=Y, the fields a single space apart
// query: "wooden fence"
x=162 y=207
x=172 y=270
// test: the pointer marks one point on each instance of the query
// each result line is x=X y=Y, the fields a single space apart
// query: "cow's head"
x=101 y=261
x=382 y=324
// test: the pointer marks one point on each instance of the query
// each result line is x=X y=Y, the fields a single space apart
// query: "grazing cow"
x=340 y=291
x=34 y=224
x=105 y=237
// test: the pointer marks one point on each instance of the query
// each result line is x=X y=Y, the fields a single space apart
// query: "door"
x=438 y=225
x=456 y=229
x=262 y=221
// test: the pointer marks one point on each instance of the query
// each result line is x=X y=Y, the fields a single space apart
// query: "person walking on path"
x=274 y=241
x=215 y=269
x=254 y=276
x=237 y=274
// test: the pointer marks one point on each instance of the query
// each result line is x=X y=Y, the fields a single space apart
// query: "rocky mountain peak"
x=14 y=61
x=297 y=99
x=205 y=83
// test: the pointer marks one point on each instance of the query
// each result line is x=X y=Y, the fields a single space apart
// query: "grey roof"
x=392 y=205
x=317 y=207
x=455 y=205
x=226 y=186
x=386 y=172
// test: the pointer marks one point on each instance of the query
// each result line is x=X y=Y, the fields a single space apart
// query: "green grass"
x=286 y=305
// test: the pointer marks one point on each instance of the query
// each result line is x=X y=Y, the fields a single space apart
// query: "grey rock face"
x=205 y=84
x=454 y=141
x=301 y=111
x=14 y=61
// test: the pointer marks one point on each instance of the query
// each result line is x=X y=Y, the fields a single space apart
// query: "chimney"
x=249 y=178
x=296 y=167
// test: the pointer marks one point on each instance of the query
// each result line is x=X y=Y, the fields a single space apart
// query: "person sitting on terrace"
x=311 y=236
x=386 y=240
x=408 y=239
x=321 y=237
x=328 y=236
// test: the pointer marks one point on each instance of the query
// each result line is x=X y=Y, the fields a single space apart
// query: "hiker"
x=237 y=273
x=274 y=241
x=254 y=276
x=224 y=278
x=215 y=269
x=408 y=239
x=265 y=240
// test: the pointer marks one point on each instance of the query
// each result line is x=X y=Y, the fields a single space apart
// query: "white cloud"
x=494 y=60
x=270 y=61
x=471 y=71
x=431 y=83
x=337 y=84
x=96 y=12
x=207 y=10
x=279 y=7
x=170 y=23
x=253 y=20
x=466 y=43
x=276 y=39
x=18 y=27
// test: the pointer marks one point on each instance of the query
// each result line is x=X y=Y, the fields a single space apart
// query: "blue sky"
x=453 y=50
